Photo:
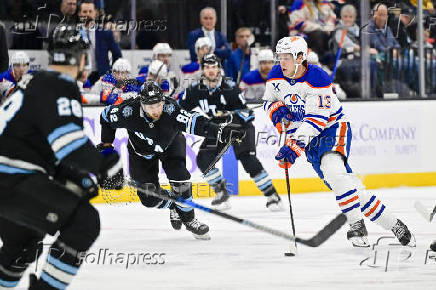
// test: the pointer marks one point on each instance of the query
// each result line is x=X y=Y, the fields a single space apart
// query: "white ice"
x=238 y=257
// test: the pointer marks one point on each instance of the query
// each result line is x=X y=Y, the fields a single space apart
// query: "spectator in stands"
x=351 y=43
x=240 y=58
x=68 y=10
x=4 y=56
x=102 y=41
x=313 y=18
x=253 y=83
x=380 y=35
x=192 y=72
x=220 y=46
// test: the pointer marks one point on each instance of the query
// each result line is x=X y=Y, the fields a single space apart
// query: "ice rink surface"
x=238 y=257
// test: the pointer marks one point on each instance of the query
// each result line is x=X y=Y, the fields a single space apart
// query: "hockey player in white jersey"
x=192 y=72
x=253 y=82
x=163 y=52
x=114 y=86
x=8 y=79
x=301 y=95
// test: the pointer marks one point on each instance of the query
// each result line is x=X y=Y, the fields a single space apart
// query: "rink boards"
x=392 y=146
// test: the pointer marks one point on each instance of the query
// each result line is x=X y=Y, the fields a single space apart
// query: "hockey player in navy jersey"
x=300 y=95
x=253 y=82
x=155 y=124
x=215 y=97
x=45 y=182
x=8 y=79
x=192 y=72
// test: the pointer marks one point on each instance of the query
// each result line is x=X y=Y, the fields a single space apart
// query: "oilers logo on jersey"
x=310 y=99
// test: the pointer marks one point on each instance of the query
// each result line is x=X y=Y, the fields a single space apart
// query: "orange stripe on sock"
x=373 y=209
x=348 y=201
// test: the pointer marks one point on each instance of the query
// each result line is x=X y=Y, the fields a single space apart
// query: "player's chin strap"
x=296 y=69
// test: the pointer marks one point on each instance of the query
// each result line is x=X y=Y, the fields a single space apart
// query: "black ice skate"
x=433 y=246
x=198 y=229
x=274 y=202
x=175 y=220
x=357 y=234
x=403 y=234
x=221 y=200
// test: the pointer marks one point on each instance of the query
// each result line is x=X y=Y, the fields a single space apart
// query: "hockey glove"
x=289 y=153
x=246 y=115
x=108 y=98
x=111 y=172
x=226 y=132
x=277 y=111
x=78 y=181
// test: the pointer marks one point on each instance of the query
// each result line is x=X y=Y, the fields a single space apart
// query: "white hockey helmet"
x=202 y=41
x=293 y=45
x=312 y=58
x=158 y=68
x=122 y=65
x=20 y=57
x=265 y=55
x=161 y=48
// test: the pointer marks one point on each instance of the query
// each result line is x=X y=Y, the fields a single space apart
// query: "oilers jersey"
x=110 y=94
x=8 y=82
x=253 y=85
x=310 y=99
x=191 y=73
x=168 y=85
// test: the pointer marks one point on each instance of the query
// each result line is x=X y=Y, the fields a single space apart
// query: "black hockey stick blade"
x=324 y=234
x=218 y=157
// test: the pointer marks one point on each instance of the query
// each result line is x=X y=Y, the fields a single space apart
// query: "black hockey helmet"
x=210 y=59
x=150 y=93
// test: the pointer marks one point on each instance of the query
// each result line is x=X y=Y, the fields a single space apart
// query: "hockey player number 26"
x=324 y=102
x=67 y=107
x=10 y=108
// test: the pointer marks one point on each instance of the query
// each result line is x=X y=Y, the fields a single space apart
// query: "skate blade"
x=204 y=237
x=359 y=242
x=222 y=206
x=276 y=207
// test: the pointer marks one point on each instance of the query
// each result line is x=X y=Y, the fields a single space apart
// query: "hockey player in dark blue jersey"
x=214 y=97
x=45 y=182
x=155 y=124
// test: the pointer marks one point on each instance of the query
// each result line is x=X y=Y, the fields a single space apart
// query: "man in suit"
x=220 y=46
x=102 y=41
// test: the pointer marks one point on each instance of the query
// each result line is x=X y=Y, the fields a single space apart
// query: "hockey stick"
x=338 y=54
x=425 y=213
x=315 y=241
x=293 y=247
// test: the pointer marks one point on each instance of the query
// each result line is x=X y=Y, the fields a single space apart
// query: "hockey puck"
x=289 y=254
